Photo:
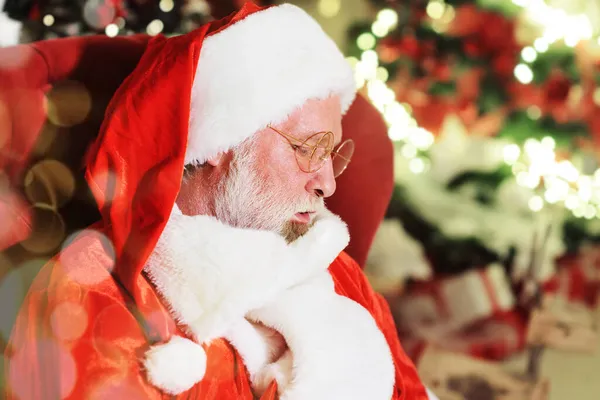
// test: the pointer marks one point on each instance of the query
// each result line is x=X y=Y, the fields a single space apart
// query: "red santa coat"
x=93 y=317
x=77 y=336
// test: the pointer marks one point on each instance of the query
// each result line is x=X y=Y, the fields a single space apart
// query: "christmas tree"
x=493 y=108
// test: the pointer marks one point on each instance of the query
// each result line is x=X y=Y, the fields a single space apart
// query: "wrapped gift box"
x=578 y=278
x=449 y=304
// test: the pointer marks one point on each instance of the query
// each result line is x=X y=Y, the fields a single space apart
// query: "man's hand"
x=276 y=343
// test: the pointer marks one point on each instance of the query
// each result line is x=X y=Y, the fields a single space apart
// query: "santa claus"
x=217 y=272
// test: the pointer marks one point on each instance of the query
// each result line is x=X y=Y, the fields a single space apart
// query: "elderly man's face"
x=260 y=185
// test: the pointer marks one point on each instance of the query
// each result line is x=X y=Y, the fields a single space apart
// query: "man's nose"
x=323 y=182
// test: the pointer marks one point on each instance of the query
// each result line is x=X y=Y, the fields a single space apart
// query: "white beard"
x=245 y=200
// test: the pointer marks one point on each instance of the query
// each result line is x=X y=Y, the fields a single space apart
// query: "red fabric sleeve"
x=350 y=281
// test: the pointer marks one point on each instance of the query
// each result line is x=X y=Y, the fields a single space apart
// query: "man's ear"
x=216 y=160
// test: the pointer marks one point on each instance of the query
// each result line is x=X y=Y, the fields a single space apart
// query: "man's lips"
x=304 y=217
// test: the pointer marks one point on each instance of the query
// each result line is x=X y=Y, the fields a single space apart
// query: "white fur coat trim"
x=216 y=279
x=175 y=377
x=258 y=71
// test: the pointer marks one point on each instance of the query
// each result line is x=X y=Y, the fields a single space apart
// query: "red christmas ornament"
x=525 y=96
x=556 y=93
x=390 y=49
x=556 y=89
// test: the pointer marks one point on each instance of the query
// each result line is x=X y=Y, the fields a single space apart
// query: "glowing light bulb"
x=421 y=138
x=370 y=57
x=166 y=5
x=366 y=41
x=329 y=8
x=155 y=27
x=567 y=171
x=572 y=202
x=111 y=30
x=379 y=29
x=536 y=203
x=584 y=186
x=571 y=40
x=529 y=54
x=382 y=74
x=435 y=9
x=48 y=20
x=541 y=45
x=549 y=142
x=397 y=133
x=511 y=153
x=416 y=165
x=388 y=17
x=523 y=73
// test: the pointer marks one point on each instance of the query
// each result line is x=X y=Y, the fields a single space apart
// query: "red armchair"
x=29 y=99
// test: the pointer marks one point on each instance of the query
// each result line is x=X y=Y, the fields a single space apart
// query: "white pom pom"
x=175 y=366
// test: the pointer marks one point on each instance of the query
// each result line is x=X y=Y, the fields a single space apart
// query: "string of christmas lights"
x=535 y=164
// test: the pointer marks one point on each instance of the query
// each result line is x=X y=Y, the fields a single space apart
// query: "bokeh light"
x=111 y=30
x=155 y=27
x=68 y=321
x=98 y=249
x=48 y=20
x=58 y=366
x=49 y=230
x=69 y=103
x=329 y=8
x=49 y=182
x=99 y=13
x=166 y=5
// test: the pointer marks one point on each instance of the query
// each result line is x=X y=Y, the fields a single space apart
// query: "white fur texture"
x=216 y=279
x=336 y=349
x=258 y=71
x=260 y=345
x=211 y=274
x=175 y=366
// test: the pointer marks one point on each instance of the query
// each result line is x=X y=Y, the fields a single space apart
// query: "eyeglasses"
x=312 y=153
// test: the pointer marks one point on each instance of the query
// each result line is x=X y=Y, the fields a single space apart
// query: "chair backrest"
x=53 y=95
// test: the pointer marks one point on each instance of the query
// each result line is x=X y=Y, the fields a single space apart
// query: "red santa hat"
x=193 y=96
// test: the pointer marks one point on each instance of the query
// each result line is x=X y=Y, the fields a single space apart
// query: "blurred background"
x=489 y=252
